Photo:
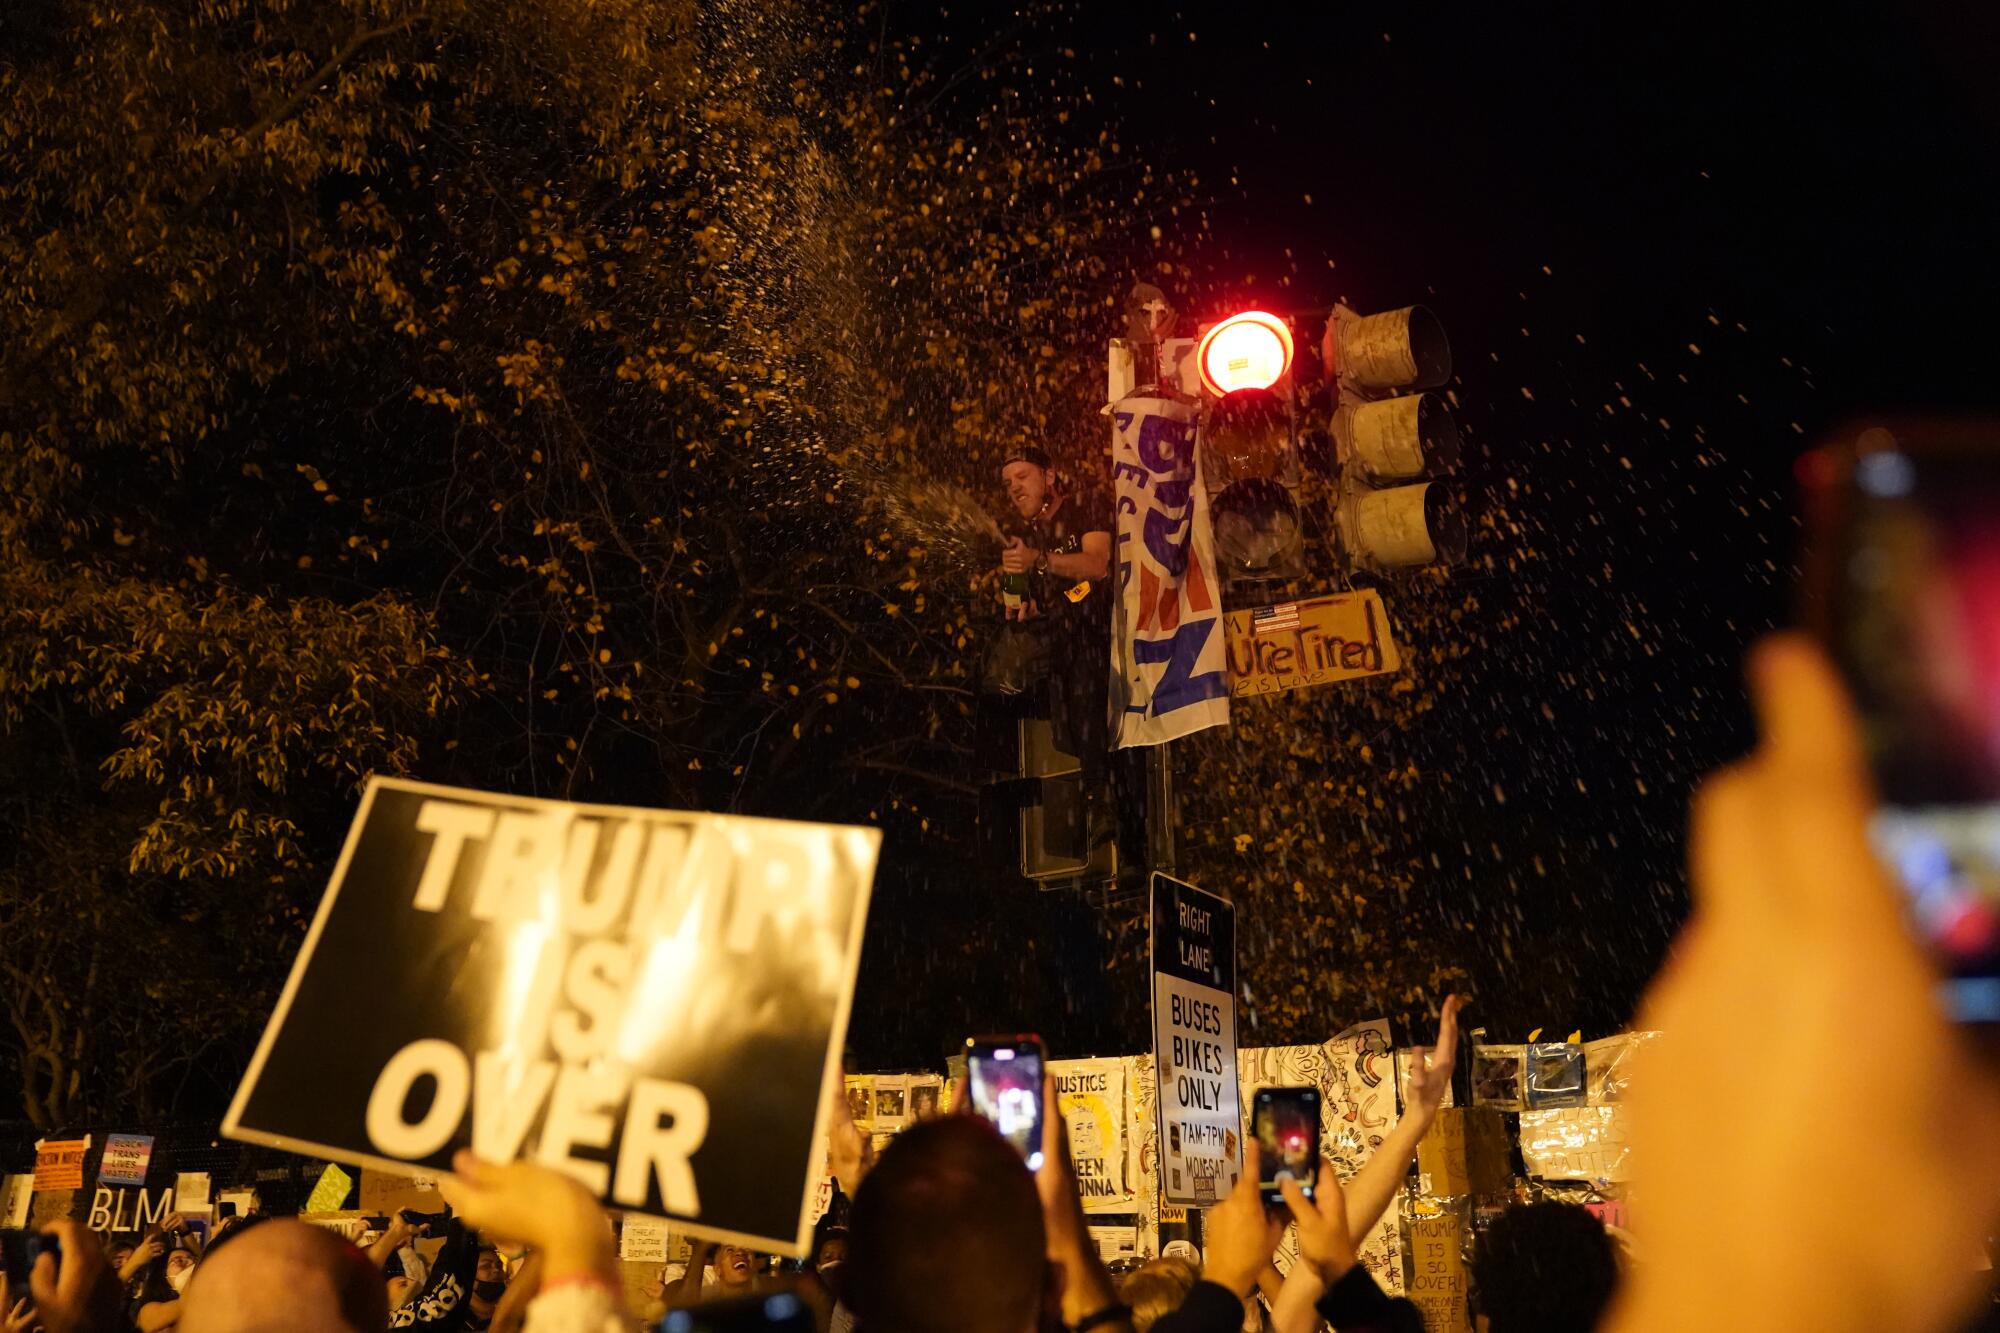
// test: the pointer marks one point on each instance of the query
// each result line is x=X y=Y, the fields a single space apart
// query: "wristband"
x=581 y=1277
x=1110 y=1314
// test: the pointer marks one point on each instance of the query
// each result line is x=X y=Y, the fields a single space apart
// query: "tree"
x=529 y=396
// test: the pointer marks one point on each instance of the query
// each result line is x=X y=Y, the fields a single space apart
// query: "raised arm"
x=686 y=1289
x=543 y=1209
x=393 y=1238
x=1374 y=1186
x=1088 y=1290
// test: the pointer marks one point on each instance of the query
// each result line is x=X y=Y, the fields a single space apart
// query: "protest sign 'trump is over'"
x=650 y=1001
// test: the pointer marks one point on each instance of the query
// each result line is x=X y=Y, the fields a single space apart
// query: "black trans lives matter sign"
x=1194 y=1042
x=651 y=1001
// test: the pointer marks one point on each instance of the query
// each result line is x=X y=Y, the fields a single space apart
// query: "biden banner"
x=1170 y=658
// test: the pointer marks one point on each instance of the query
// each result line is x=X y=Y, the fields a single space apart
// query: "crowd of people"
x=1784 y=1216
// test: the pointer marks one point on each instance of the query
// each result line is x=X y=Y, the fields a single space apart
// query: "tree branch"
x=936 y=779
x=114 y=279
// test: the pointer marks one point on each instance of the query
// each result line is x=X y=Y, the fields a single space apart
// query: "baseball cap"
x=1027 y=453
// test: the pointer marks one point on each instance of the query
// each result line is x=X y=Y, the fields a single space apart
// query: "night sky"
x=1672 y=246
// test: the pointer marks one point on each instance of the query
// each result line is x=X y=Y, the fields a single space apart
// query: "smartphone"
x=18 y=1252
x=1903 y=589
x=226 y=1208
x=428 y=1224
x=1286 y=1123
x=1003 y=1078
x=781 y=1311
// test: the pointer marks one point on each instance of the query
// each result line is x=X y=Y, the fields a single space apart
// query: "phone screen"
x=1286 y=1123
x=1004 y=1082
x=1910 y=592
x=18 y=1252
x=781 y=1312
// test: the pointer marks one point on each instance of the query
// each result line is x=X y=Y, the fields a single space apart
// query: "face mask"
x=178 y=1281
x=489 y=1291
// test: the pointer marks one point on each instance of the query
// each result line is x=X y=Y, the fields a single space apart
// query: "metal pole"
x=1160 y=808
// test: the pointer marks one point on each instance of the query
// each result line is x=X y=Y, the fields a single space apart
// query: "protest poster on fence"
x=1577 y=1143
x=651 y=1001
x=642 y=1239
x=17 y=1196
x=1438 y=1280
x=1090 y=1094
x=1194 y=1042
x=126 y=1157
x=59 y=1163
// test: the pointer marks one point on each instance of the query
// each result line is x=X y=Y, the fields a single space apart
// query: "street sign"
x=1194 y=1042
x=1318 y=641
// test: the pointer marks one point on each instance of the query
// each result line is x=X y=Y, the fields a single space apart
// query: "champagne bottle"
x=1015 y=588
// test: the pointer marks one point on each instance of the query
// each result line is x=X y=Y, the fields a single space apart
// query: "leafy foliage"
x=576 y=399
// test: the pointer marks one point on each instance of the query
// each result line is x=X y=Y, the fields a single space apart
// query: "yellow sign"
x=331 y=1192
x=1318 y=641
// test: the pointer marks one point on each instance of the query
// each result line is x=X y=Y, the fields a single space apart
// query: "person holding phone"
x=156 y=1292
x=128 y=1261
x=1374 y=1187
x=453 y=1299
x=1797 y=923
x=716 y=1271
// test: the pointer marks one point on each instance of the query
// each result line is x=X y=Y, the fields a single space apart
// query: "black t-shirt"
x=445 y=1306
x=1075 y=603
x=144 y=1294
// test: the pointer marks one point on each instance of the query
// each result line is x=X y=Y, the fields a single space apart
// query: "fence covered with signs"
x=1110 y=1114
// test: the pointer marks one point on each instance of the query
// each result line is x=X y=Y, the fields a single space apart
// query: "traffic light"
x=1061 y=837
x=1386 y=429
x=1247 y=438
x=1252 y=350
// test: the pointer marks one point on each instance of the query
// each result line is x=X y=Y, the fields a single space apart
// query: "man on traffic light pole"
x=1065 y=553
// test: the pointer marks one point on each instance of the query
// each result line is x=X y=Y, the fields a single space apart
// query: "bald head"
x=285 y=1277
x=946 y=1235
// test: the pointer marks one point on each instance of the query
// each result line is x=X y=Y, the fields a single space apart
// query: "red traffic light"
x=1252 y=350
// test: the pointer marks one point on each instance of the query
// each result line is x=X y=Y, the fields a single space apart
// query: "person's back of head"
x=946 y=1234
x=1157 y=1290
x=1544 y=1268
x=286 y=1277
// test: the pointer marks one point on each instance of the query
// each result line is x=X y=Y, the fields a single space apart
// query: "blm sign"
x=1194 y=1042
x=650 y=1001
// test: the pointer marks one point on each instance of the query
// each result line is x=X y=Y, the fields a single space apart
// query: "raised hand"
x=1242 y=1235
x=16 y=1315
x=540 y=1207
x=78 y=1294
x=1430 y=1076
x=1799 y=930
x=1324 y=1239
x=849 y=1152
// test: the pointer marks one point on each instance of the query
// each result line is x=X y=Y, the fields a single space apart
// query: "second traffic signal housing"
x=1386 y=430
